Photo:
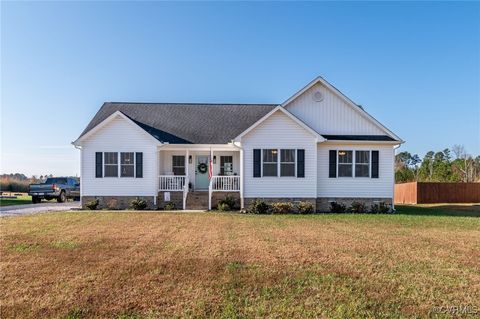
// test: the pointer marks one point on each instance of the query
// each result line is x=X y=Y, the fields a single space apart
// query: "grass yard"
x=20 y=200
x=153 y=264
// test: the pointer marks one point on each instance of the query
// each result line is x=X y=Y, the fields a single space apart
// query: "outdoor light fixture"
x=189 y=159
x=214 y=159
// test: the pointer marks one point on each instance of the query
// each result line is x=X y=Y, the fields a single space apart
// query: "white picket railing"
x=172 y=182
x=225 y=183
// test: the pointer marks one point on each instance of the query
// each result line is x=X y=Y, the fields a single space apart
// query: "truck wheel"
x=35 y=200
x=61 y=198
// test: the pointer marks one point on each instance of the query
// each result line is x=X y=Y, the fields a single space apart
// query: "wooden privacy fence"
x=430 y=193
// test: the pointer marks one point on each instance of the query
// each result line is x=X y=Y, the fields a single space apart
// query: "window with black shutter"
x=98 y=164
x=256 y=163
x=301 y=163
x=332 y=164
x=139 y=165
x=375 y=164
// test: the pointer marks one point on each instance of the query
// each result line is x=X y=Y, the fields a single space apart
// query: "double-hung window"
x=111 y=164
x=127 y=164
x=270 y=162
x=362 y=163
x=226 y=165
x=345 y=163
x=287 y=162
x=178 y=165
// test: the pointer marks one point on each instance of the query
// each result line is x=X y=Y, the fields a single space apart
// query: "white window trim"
x=354 y=162
x=119 y=165
x=369 y=164
x=294 y=162
x=279 y=158
x=185 y=163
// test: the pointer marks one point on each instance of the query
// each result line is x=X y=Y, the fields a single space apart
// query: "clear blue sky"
x=414 y=66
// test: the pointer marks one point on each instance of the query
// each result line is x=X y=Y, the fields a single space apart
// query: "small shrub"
x=228 y=200
x=337 y=208
x=380 y=208
x=258 y=207
x=358 y=208
x=169 y=206
x=93 y=204
x=112 y=204
x=138 y=204
x=282 y=208
x=224 y=207
x=305 y=208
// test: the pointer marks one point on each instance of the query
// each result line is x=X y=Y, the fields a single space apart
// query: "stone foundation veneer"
x=117 y=202
x=218 y=196
x=323 y=203
x=175 y=197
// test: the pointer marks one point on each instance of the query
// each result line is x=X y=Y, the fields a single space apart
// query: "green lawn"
x=126 y=264
x=465 y=210
x=20 y=200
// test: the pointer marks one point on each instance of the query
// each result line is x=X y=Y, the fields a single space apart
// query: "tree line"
x=448 y=165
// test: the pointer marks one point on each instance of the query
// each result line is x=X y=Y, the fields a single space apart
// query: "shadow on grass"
x=458 y=210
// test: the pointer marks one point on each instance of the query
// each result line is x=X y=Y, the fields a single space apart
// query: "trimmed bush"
x=282 y=208
x=305 y=208
x=169 y=206
x=358 y=208
x=92 y=205
x=138 y=204
x=380 y=208
x=258 y=207
x=228 y=201
x=337 y=208
x=224 y=207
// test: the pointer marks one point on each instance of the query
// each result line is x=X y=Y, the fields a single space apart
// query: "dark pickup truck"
x=60 y=188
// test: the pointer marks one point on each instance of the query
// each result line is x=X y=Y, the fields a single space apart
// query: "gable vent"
x=318 y=96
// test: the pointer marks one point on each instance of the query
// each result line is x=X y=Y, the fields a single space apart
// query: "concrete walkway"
x=18 y=210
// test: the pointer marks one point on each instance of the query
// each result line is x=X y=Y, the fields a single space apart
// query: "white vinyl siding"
x=119 y=136
x=332 y=115
x=381 y=187
x=280 y=132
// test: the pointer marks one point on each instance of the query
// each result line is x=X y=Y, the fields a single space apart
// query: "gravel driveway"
x=17 y=210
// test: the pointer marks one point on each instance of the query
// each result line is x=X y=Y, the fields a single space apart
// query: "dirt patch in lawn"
x=135 y=265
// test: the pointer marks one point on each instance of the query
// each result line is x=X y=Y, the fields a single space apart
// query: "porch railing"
x=172 y=182
x=225 y=183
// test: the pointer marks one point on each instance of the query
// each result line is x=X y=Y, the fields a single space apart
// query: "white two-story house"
x=318 y=146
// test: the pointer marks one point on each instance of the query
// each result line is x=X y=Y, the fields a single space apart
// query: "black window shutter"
x=98 y=164
x=139 y=165
x=332 y=164
x=256 y=163
x=374 y=164
x=300 y=163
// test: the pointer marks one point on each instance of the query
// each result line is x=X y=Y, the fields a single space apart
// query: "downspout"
x=81 y=183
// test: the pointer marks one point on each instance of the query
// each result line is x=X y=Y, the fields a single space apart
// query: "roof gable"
x=289 y=115
x=380 y=129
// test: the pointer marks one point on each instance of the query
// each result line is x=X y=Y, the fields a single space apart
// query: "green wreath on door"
x=202 y=168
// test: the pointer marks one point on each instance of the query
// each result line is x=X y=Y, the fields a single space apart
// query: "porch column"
x=242 y=204
x=187 y=153
x=210 y=181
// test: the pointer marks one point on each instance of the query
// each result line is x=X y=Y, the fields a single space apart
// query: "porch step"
x=197 y=201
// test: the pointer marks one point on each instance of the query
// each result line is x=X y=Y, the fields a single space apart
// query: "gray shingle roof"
x=187 y=123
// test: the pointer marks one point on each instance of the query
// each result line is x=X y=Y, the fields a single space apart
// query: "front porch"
x=184 y=169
